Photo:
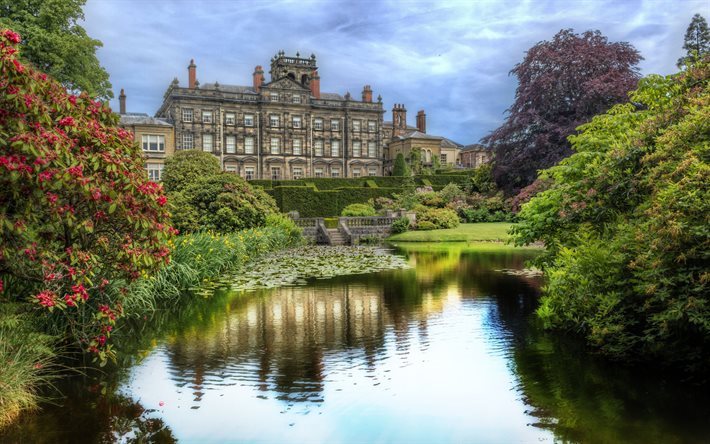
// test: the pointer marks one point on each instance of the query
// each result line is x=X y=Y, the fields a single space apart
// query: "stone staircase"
x=336 y=237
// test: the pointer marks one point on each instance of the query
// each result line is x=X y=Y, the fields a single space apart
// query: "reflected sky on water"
x=443 y=352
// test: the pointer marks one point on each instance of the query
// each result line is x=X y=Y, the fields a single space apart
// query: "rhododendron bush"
x=78 y=215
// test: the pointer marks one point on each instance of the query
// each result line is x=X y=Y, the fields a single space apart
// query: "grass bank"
x=200 y=257
x=26 y=361
x=481 y=232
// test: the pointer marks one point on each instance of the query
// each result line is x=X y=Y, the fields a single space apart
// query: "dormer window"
x=296 y=98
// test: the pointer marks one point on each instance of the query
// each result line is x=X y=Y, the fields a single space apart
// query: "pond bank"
x=487 y=236
x=26 y=365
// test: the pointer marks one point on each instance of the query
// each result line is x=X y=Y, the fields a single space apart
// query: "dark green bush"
x=223 y=202
x=425 y=225
x=439 y=217
x=400 y=225
x=185 y=167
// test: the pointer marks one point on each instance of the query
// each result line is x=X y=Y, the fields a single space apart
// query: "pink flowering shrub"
x=78 y=215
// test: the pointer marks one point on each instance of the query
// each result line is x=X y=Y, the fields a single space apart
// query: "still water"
x=446 y=351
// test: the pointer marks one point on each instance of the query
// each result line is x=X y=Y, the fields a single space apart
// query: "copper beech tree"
x=78 y=215
x=563 y=83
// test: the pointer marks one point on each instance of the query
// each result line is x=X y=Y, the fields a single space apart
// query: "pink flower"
x=18 y=66
x=161 y=403
x=46 y=298
x=76 y=171
x=162 y=200
x=12 y=36
x=45 y=176
x=67 y=121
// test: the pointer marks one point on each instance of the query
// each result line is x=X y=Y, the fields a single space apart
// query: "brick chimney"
x=399 y=119
x=315 y=85
x=258 y=77
x=367 y=94
x=421 y=121
x=122 y=102
x=192 y=74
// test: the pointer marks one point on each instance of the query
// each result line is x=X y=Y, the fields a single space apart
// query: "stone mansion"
x=285 y=128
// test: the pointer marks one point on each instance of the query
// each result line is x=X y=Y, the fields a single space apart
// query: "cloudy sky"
x=449 y=58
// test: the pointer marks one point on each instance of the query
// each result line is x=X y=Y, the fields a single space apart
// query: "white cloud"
x=450 y=58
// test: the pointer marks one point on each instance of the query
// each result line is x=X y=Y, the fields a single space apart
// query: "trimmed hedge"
x=325 y=196
x=313 y=203
x=334 y=183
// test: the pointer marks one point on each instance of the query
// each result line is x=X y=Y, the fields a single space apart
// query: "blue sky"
x=449 y=58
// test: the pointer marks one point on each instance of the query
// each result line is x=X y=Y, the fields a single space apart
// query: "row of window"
x=275 y=121
x=295 y=98
x=230 y=146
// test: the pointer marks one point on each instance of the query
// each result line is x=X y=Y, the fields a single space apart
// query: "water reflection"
x=442 y=352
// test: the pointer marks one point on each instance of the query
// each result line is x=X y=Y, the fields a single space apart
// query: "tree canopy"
x=54 y=43
x=697 y=40
x=185 y=167
x=563 y=83
x=400 y=166
x=626 y=224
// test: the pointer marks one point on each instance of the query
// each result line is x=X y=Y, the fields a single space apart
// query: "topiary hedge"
x=324 y=196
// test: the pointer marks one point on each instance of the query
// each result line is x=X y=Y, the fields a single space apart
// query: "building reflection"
x=282 y=342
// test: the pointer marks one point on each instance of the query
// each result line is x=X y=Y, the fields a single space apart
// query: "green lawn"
x=483 y=232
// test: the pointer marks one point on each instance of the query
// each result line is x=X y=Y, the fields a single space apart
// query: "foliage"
x=27 y=358
x=331 y=195
x=336 y=183
x=202 y=257
x=452 y=193
x=400 y=166
x=562 y=84
x=400 y=225
x=528 y=193
x=438 y=217
x=359 y=210
x=186 y=167
x=482 y=180
x=294 y=234
x=426 y=225
x=223 y=203
x=625 y=222
x=697 y=41
x=78 y=211
x=54 y=43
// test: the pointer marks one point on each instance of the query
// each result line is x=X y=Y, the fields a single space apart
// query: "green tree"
x=415 y=161
x=625 y=223
x=55 y=43
x=697 y=41
x=400 y=166
x=221 y=202
x=186 y=167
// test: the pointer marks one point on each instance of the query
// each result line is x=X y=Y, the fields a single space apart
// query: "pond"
x=445 y=351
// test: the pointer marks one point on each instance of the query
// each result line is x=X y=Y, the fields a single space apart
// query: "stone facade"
x=475 y=155
x=281 y=129
x=402 y=138
x=155 y=136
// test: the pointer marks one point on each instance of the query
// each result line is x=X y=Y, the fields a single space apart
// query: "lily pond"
x=428 y=345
